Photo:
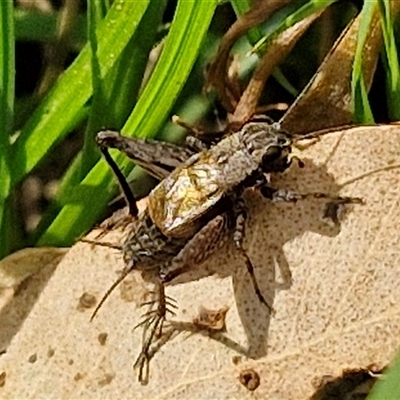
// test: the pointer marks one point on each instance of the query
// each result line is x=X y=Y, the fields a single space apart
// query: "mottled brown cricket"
x=197 y=205
x=194 y=208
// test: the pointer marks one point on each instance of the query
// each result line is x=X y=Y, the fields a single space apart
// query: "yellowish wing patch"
x=178 y=202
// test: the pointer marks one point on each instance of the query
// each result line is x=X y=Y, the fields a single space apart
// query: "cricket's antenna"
x=321 y=132
x=103 y=244
x=123 y=275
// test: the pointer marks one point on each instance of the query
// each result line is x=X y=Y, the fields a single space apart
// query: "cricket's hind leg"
x=123 y=183
x=119 y=219
x=238 y=237
x=152 y=320
x=152 y=324
x=195 y=251
x=198 y=249
x=207 y=240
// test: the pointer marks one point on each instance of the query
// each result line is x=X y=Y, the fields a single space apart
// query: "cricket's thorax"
x=239 y=155
x=146 y=247
x=233 y=161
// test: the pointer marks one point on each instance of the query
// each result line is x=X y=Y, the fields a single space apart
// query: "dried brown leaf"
x=339 y=311
x=26 y=262
x=326 y=101
x=23 y=275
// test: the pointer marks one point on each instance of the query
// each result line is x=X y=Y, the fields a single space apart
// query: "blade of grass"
x=7 y=72
x=54 y=117
x=121 y=87
x=98 y=109
x=179 y=54
x=108 y=91
x=362 y=112
x=113 y=101
x=391 y=60
x=7 y=82
x=389 y=386
x=287 y=17
x=97 y=10
x=188 y=28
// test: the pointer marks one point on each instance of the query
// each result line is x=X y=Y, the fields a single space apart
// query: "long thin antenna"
x=102 y=244
x=323 y=132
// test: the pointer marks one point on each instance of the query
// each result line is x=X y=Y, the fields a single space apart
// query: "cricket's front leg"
x=333 y=206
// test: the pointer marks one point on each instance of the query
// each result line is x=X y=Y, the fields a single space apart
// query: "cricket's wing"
x=179 y=202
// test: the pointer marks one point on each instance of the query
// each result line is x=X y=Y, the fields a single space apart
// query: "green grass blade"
x=55 y=116
x=362 y=112
x=391 y=60
x=97 y=10
x=119 y=93
x=287 y=17
x=7 y=82
x=35 y=25
x=182 y=45
x=98 y=109
x=7 y=71
x=277 y=23
x=389 y=386
x=187 y=31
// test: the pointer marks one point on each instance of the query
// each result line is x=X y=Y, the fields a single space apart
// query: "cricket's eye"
x=272 y=154
x=283 y=142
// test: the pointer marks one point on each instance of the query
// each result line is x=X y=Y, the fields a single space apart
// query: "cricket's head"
x=268 y=145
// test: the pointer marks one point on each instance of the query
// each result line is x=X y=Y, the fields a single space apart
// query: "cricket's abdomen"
x=147 y=247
